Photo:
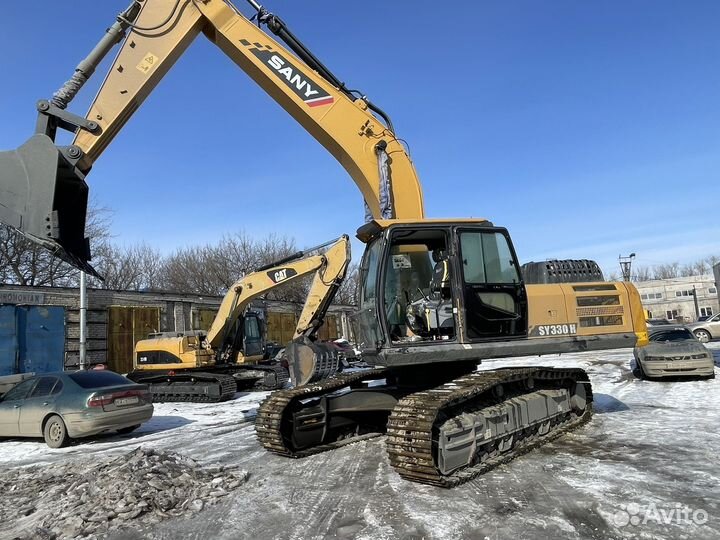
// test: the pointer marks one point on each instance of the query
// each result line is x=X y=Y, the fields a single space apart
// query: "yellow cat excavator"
x=436 y=296
x=210 y=366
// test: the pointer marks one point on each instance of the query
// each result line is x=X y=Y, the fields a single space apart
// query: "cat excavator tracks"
x=424 y=424
x=276 y=377
x=274 y=411
x=195 y=387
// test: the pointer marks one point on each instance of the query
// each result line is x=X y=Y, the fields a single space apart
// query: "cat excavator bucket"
x=44 y=196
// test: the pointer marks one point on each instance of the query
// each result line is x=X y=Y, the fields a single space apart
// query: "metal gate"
x=32 y=339
x=281 y=327
x=127 y=326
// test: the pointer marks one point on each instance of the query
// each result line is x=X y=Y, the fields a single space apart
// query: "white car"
x=706 y=330
x=673 y=351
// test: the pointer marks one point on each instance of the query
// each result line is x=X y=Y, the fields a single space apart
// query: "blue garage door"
x=32 y=339
x=8 y=341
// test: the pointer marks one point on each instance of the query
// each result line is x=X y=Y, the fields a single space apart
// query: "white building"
x=675 y=299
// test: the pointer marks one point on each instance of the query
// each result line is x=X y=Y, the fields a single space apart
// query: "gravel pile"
x=83 y=499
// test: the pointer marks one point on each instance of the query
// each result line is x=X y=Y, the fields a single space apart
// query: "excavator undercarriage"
x=220 y=384
x=440 y=434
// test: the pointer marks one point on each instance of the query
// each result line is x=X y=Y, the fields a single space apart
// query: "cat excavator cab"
x=422 y=332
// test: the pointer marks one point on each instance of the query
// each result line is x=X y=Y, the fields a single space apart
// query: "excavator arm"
x=43 y=192
x=329 y=269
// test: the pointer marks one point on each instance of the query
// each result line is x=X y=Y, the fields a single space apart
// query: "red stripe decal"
x=319 y=102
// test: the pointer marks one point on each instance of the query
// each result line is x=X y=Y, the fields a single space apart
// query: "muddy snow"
x=646 y=466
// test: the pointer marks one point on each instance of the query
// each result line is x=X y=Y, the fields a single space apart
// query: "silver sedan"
x=673 y=351
x=61 y=406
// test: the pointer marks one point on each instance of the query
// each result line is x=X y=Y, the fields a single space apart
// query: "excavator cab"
x=438 y=282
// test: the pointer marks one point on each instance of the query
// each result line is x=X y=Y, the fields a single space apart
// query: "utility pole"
x=626 y=266
x=697 y=309
x=83 y=319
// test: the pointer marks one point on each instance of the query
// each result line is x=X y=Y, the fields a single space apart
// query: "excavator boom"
x=43 y=193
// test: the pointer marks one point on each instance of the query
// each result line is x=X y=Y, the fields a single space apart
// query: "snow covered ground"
x=647 y=466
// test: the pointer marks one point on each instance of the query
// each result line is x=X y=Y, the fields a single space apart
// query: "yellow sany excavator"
x=210 y=366
x=436 y=296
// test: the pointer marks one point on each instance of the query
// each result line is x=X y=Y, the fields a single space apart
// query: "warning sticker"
x=148 y=62
x=401 y=261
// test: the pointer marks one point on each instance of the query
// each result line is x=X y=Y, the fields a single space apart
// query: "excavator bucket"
x=310 y=362
x=44 y=196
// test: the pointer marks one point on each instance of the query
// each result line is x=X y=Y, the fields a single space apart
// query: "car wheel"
x=130 y=429
x=55 y=432
x=702 y=335
x=638 y=371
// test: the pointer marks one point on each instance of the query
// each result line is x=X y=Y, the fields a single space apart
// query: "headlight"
x=699 y=356
x=654 y=359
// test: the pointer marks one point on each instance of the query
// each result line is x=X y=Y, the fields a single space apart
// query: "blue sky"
x=589 y=129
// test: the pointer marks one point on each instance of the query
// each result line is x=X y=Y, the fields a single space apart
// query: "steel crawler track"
x=276 y=377
x=412 y=424
x=269 y=420
x=194 y=392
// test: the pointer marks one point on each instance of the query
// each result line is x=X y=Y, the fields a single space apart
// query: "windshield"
x=678 y=334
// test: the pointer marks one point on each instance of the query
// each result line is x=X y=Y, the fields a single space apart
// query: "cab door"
x=253 y=343
x=493 y=293
x=365 y=319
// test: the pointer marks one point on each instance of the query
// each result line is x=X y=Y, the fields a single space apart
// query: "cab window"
x=487 y=258
x=252 y=328
x=369 y=271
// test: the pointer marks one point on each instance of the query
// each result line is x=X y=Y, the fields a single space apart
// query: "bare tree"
x=347 y=293
x=133 y=268
x=643 y=273
x=186 y=271
x=688 y=270
x=212 y=269
x=666 y=271
x=24 y=262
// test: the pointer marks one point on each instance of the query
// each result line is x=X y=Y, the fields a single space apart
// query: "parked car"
x=706 y=330
x=70 y=405
x=673 y=351
x=658 y=322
